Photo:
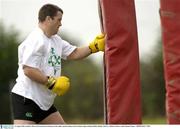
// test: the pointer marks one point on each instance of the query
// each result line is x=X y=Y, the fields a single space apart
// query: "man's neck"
x=45 y=30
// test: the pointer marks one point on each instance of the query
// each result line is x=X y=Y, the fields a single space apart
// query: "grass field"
x=156 y=120
x=145 y=120
x=84 y=121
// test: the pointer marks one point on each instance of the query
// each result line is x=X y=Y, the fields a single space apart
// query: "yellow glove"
x=58 y=85
x=97 y=44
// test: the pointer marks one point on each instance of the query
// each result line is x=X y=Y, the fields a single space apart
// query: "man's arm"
x=79 y=53
x=59 y=85
x=96 y=45
x=35 y=74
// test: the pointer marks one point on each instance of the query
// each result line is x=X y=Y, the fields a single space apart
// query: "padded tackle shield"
x=122 y=82
x=170 y=26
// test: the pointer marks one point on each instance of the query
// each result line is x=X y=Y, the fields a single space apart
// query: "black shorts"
x=26 y=109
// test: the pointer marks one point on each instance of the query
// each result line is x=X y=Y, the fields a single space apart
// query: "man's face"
x=55 y=23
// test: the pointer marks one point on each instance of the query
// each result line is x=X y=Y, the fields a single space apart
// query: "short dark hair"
x=48 y=10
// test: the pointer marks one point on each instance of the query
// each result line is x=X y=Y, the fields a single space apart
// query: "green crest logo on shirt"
x=28 y=114
x=54 y=60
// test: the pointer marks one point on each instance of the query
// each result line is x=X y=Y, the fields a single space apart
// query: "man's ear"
x=48 y=18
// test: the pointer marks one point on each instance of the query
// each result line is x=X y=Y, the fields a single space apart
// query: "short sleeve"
x=67 y=49
x=33 y=53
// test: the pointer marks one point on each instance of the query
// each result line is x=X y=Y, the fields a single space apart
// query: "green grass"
x=85 y=121
x=155 y=120
x=145 y=120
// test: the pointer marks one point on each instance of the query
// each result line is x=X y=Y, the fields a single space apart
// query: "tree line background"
x=84 y=101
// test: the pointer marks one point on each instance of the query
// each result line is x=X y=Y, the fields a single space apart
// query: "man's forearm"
x=79 y=53
x=35 y=74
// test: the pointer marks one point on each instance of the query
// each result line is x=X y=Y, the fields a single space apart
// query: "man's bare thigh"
x=53 y=118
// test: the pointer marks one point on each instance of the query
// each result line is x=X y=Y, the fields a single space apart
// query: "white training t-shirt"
x=44 y=53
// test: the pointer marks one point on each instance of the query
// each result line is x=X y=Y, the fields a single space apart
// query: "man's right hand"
x=97 y=44
x=58 y=85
